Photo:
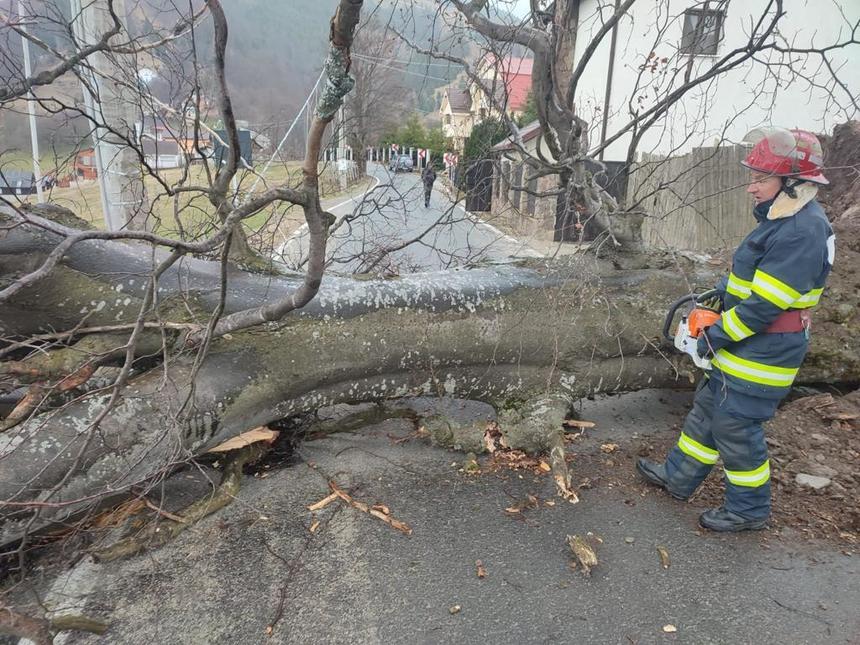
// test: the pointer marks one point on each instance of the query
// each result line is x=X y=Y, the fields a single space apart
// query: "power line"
x=406 y=71
x=404 y=62
x=284 y=139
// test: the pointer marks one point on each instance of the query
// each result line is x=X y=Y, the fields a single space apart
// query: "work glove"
x=703 y=346
x=714 y=303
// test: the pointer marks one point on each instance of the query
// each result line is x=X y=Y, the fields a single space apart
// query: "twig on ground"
x=377 y=511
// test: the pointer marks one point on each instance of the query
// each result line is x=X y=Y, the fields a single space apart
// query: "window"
x=447 y=119
x=703 y=31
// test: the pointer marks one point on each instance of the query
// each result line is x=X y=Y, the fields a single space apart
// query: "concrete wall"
x=750 y=96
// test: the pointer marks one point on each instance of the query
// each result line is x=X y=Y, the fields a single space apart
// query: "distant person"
x=428 y=176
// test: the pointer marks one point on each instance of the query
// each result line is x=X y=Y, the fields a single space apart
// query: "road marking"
x=298 y=232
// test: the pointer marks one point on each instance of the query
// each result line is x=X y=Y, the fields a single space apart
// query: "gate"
x=479 y=185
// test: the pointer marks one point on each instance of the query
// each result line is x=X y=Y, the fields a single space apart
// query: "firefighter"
x=756 y=348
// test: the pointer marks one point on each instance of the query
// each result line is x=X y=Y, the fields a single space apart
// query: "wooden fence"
x=695 y=201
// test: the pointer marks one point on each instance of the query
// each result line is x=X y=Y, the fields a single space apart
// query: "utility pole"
x=31 y=108
x=111 y=106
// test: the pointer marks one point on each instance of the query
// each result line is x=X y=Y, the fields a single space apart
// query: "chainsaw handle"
x=692 y=298
x=673 y=309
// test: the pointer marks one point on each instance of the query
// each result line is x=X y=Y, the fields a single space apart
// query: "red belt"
x=790 y=321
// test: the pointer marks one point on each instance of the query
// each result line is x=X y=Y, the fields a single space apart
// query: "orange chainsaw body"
x=699 y=319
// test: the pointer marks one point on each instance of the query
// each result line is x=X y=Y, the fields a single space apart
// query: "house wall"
x=458 y=130
x=164 y=161
x=736 y=102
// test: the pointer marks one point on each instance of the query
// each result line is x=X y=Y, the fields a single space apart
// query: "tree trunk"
x=504 y=334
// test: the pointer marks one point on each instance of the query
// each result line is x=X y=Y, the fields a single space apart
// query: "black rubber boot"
x=656 y=474
x=719 y=519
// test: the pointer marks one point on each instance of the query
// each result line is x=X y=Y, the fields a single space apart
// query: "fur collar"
x=784 y=206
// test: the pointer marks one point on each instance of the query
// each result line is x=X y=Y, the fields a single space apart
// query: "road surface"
x=389 y=230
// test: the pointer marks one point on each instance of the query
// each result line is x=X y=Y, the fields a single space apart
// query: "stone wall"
x=519 y=211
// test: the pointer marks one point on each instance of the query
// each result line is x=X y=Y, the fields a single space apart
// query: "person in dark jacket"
x=428 y=176
x=756 y=348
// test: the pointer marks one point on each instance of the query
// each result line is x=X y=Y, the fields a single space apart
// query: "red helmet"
x=786 y=153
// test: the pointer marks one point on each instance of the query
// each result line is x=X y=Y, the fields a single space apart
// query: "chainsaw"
x=701 y=311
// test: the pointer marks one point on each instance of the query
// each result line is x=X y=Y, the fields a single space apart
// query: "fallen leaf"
x=260 y=433
x=491 y=434
x=269 y=630
x=609 y=447
x=454 y=609
x=545 y=467
x=670 y=629
x=313 y=528
x=480 y=570
x=578 y=423
x=664 y=556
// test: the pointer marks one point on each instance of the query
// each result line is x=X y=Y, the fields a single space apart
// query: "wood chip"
x=584 y=553
x=313 y=527
x=670 y=629
x=260 y=433
x=664 y=556
x=544 y=467
x=325 y=501
x=480 y=570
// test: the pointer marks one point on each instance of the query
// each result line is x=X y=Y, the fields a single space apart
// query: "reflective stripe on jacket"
x=781 y=265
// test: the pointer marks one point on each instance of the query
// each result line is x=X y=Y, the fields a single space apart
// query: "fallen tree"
x=527 y=338
x=205 y=350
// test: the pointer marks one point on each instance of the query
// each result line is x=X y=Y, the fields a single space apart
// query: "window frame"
x=692 y=42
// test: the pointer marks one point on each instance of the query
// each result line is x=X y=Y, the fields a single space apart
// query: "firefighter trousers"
x=725 y=424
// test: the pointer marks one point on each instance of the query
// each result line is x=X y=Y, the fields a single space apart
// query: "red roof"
x=516 y=73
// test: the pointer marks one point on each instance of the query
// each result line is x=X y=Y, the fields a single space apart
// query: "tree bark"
x=506 y=335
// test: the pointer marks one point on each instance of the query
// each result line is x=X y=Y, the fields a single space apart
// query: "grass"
x=187 y=214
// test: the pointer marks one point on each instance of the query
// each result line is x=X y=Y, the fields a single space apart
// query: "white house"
x=661 y=41
x=162 y=154
x=462 y=109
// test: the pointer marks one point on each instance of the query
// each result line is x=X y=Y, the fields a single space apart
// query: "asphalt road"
x=354 y=579
x=390 y=230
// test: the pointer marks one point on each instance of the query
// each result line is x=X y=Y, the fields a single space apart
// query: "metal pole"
x=31 y=110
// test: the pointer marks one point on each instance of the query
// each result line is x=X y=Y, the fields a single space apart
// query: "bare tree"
x=80 y=305
x=665 y=88
x=379 y=100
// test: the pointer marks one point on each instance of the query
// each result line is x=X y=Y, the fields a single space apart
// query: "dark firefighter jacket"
x=780 y=266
